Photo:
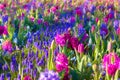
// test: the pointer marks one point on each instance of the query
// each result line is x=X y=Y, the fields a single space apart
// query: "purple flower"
x=4 y=18
x=92 y=9
x=8 y=75
x=111 y=14
x=5 y=67
x=19 y=77
x=103 y=30
x=2 y=76
x=49 y=75
x=116 y=24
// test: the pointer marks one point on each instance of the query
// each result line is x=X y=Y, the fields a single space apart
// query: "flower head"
x=110 y=63
x=74 y=42
x=7 y=46
x=118 y=31
x=27 y=77
x=1 y=30
x=60 y=40
x=103 y=30
x=61 y=62
x=49 y=75
x=116 y=24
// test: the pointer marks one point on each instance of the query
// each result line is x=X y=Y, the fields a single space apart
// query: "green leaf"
x=116 y=75
x=75 y=74
x=10 y=31
x=50 y=64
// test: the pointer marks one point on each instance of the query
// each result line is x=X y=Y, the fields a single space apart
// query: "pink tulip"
x=97 y=19
x=81 y=48
x=118 y=31
x=92 y=28
x=1 y=6
x=53 y=9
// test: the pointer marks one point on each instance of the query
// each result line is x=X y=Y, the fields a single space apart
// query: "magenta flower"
x=5 y=30
x=110 y=63
x=1 y=30
x=7 y=46
x=79 y=12
x=92 y=28
x=74 y=42
x=27 y=77
x=1 y=6
x=97 y=19
x=118 y=31
x=111 y=69
x=53 y=9
x=63 y=39
x=61 y=62
x=60 y=40
x=119 y=64
x=81 y=48
x=105 y=19
x=39 y=21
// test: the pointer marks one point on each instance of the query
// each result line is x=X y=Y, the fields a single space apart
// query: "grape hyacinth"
x=49 y=75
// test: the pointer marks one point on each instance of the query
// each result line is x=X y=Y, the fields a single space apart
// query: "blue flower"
x=49 y=75
x=81 y=32
x=103 y=30
x=4 y=18
x=116 y=24
x=92 y=9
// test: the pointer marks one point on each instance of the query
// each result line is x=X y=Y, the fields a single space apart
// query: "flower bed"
x=60 y=40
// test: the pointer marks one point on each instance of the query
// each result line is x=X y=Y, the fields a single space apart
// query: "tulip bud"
x=118 y=31
x=92 y=29
x=94 y=67
x=81 y=48
x=96 y=20
x=109 y=46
